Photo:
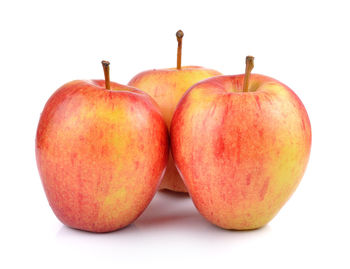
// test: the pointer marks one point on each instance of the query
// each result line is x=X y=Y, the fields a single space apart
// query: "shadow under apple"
x=171 y=214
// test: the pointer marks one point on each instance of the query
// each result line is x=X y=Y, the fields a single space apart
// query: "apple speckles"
x=212 y=111
x=74 y=156
x=258 y=101
x=158 y=91
x=248 y=179
x=219 y=147
x=264 y=189
x=238 y=147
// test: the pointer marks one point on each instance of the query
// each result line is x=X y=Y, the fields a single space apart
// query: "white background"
x=304 y=44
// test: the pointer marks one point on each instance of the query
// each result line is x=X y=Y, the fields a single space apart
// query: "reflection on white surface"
x=170 y=231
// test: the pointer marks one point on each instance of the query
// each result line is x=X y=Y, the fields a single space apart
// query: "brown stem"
x=105 y=65
x=179 y=36
x=249 y=65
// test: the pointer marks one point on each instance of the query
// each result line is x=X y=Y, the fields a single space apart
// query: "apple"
x=101 y=150
x=167 y=86
x=242 y=144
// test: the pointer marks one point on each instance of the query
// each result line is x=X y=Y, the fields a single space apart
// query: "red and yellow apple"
x=101 y=150
x=166 y=87
x=242 y=144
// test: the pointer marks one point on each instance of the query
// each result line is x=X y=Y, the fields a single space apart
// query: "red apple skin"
x=241 y=154
x=100 y=154
x=166 y=87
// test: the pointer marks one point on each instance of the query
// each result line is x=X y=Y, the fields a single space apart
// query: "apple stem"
x=179 y=36
x=105 y=65
x=249 y=65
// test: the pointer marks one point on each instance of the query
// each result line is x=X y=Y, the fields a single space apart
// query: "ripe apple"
x=242 y=144
x=101 y=150
x=167 y=86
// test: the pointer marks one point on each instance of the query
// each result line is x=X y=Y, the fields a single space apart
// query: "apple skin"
x=100 y=154
x=166 y=87
x=241 y=154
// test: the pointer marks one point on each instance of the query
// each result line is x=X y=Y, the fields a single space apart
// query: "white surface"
x=304 y=44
